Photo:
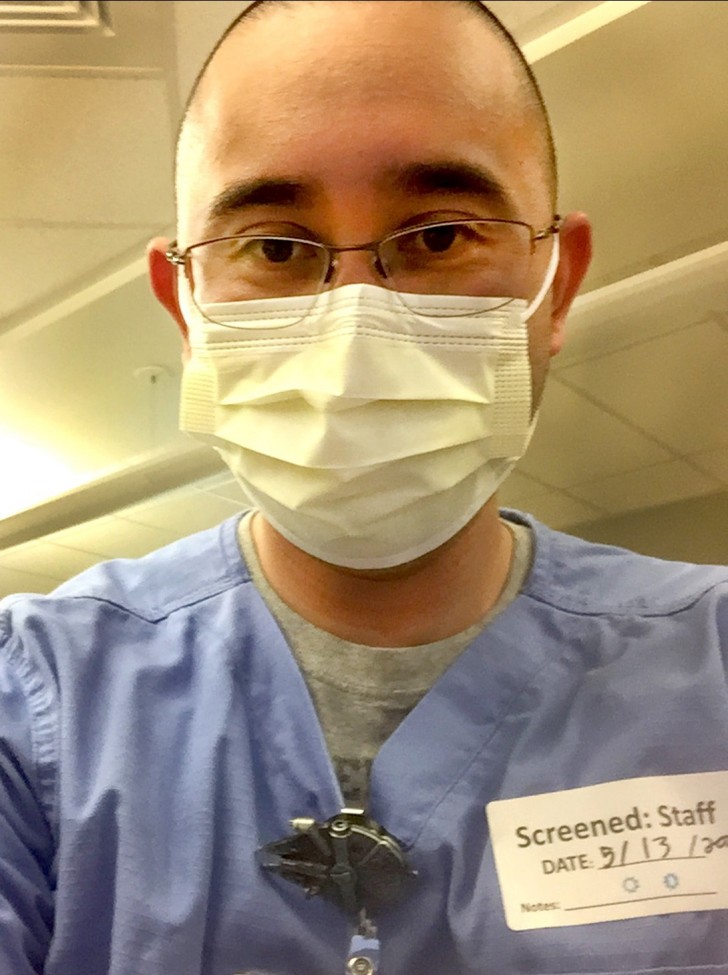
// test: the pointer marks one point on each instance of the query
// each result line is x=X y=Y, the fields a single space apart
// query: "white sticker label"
x=623 y=849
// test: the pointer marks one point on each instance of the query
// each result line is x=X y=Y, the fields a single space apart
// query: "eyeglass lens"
x=478 y=258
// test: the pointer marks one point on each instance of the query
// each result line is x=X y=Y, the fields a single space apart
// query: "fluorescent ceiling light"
x=30 y=474
x=581 y=25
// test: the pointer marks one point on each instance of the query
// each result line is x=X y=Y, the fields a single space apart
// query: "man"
x=370 y=279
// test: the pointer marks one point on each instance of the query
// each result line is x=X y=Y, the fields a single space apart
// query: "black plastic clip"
x=349 y=859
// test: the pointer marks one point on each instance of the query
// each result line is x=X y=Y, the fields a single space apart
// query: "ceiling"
x=636 y=414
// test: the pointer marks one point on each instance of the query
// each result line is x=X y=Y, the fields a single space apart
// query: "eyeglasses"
x=488 y=258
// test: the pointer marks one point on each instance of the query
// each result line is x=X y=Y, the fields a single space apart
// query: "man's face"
x=349 y=121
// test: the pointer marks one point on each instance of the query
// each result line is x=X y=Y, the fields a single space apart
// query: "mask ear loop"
x=547 y=281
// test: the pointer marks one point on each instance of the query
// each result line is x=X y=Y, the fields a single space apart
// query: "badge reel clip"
x=350 y=860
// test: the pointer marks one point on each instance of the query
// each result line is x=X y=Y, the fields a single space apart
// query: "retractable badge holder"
x=352 y=861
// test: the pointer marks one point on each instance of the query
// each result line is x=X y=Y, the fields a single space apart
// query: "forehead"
x=342 y=95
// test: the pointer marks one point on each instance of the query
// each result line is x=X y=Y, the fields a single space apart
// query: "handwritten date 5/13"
x=646 y=849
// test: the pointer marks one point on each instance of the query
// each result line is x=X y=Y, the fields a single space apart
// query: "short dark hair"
x=257 y=7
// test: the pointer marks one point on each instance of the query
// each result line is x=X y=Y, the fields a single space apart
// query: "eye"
x=290 y=262
x=271 y=254
x=438 y=245
x=277 y=250
x=438 y=239
x=274 y=250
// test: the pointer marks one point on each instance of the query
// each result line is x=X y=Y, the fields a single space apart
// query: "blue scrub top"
x=155 y=730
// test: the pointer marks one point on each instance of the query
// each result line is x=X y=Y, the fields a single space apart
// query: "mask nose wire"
x=547 y=281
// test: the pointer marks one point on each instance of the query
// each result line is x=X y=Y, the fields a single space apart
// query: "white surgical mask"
x=366 y=432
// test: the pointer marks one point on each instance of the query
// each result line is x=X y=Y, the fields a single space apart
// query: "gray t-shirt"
x=362 y=693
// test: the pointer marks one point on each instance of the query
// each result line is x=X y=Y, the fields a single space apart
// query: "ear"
x=575 y=243
x=163 y=278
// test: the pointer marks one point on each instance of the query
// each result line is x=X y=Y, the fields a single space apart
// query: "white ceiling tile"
x=186 y=512
x=100 y=135
x=231 y=490
x=715 y=462
x=575 y=441
x=45 y=558
x=558 y=510
x=554 y=508
x=640 y=308
x=222 y=480
x=674 y=480
x=642 y=148
x=13 y=581
x=674 y=388
x=223 y=485
x=519 y=489
x=113 y=537
x=65 y=255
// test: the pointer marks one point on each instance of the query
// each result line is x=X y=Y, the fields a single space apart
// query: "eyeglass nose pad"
x=330 y=271
x=334 y=267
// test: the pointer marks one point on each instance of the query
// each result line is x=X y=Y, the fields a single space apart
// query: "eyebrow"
x=266 y=191
x=452 y=177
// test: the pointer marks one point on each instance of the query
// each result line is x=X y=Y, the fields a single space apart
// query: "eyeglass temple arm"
x=174 y=256
x=553 y=228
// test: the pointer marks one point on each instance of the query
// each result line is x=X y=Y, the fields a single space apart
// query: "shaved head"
x=530 y=93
